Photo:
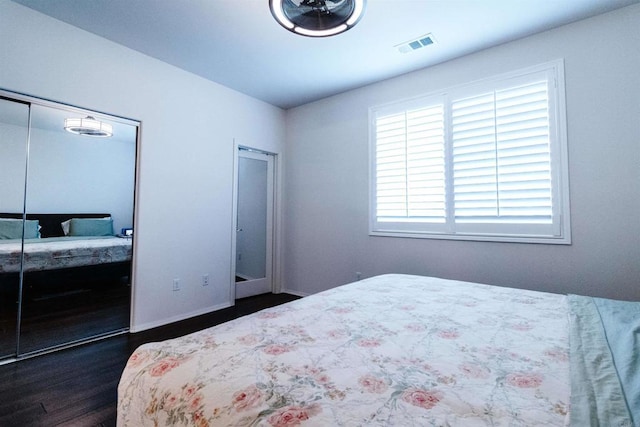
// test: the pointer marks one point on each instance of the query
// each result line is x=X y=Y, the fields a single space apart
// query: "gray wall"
x=184 y=193
x=67 y=173
x=327 y=174
x=13 y=161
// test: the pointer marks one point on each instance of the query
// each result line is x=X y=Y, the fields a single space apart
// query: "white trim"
x=273 y=267
x=178 y=318
x=234 y=224
x=472 y=237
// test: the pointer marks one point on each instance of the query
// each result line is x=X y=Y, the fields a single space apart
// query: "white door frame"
x=272 y=220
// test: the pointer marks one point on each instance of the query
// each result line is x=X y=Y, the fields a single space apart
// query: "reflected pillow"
x=91 y=227
x=65 y=226
x=12 y=228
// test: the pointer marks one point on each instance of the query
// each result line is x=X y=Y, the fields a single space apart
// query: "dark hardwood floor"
x=78 y=386
x=67 y=308
x=51 y=320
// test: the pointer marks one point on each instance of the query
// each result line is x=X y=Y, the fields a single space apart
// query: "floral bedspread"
x=393 y=350
x=62 y=252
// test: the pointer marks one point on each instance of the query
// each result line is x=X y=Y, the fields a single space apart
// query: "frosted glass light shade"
x=88 y=127
x=317 y=18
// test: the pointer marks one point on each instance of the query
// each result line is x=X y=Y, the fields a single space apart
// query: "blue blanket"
x=605 y=362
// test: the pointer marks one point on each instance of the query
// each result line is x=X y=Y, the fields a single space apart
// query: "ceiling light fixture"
x=317 y=18
x=88 y=127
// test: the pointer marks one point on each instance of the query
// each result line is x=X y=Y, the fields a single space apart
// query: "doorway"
x=254 y=230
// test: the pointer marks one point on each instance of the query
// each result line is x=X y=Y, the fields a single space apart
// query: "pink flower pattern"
x=524 y=380
x=390 y=348
x=247 y=398
x=171 y=401
x=163 y=366
x=521 y=326
x=249 y=339
x=373 y=384
x=473 y=371
x=558 y=354
x=277 y=349
x=293 y=415
x=425 y=399
x=415 y=327
x=368 y=342
x=449 y=334
x=336 y=333
x=342 y=310
x=138 y=359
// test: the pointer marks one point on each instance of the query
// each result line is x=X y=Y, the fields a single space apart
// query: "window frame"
x=560 y=230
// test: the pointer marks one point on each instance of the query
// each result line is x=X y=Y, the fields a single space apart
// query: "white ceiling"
x=238 y=43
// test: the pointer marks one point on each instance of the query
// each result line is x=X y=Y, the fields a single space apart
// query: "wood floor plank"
x=98 y=417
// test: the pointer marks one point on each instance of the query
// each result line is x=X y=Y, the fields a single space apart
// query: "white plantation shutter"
x=391 y=161
x=410 y=166
x=502 y=157
x=486 y=161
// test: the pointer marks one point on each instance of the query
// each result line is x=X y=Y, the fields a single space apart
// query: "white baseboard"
x=296 y=293
x=167 y=321
x=150 y=325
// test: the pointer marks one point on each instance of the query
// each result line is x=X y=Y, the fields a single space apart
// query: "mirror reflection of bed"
x=78 y=193
x=76 y=277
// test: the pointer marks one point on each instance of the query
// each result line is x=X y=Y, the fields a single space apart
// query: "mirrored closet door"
x=66 y=272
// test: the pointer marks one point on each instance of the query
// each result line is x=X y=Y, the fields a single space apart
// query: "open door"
x=254 y=223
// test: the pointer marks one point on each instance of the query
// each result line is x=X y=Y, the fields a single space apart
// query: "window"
x=484 y=161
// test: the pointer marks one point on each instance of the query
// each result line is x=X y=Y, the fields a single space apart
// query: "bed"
x=62 y=252
x=397 y=350
x=50 y=248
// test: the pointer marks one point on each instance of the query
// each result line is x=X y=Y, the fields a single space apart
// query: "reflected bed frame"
x=65 y=278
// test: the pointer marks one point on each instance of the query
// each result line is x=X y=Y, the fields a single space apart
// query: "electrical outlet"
x=205 y=280
x=176 y=284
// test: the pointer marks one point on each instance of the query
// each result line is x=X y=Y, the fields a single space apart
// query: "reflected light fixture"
x=88 y=126
x=317 y=18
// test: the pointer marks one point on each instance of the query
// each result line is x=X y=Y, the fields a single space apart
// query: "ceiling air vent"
x=416 y=44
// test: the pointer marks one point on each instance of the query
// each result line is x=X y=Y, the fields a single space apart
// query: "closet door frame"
x=16 y=344
x=274 y=239
x=31 y=101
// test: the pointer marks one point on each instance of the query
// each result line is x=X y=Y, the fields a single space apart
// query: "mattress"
x=395 y=350
x=63 y=252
